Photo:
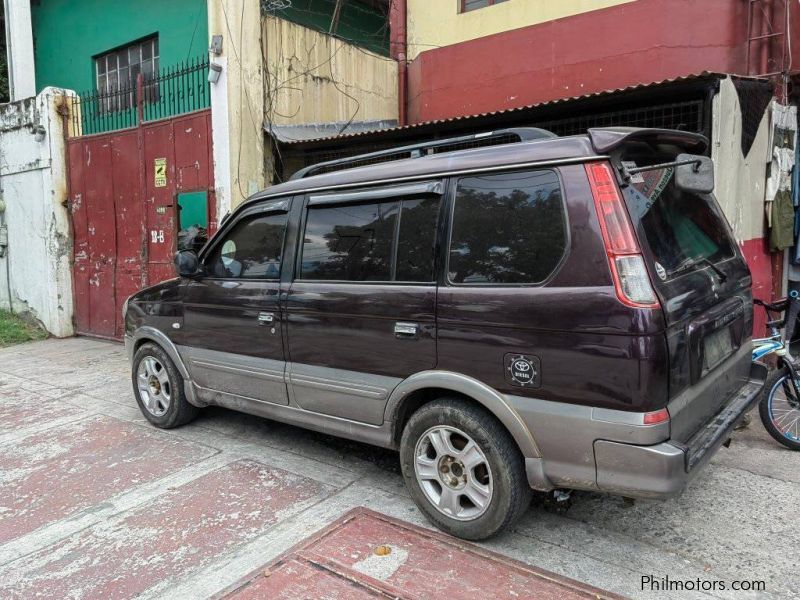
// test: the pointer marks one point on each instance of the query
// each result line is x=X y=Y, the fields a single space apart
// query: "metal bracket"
x=628 y=173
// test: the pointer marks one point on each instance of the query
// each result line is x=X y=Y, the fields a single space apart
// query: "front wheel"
x=158 y=387
x=463 y=469
x=780 y=409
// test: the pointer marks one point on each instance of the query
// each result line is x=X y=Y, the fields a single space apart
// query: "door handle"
x=406 y=330
x=265 y=317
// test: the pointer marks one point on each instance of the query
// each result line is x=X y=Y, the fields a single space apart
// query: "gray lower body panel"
x=129 y=347
x=565 y=435
x=252 y=377
x=640 y=471
x=606 y=450
x=380 y=435
x=663 y=470
x=340 y=393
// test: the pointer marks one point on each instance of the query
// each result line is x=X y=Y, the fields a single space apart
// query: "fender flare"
x=151 y=334
x=487 y=396
x=148 y=333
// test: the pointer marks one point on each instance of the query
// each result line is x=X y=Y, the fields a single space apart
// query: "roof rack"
x=525 y=134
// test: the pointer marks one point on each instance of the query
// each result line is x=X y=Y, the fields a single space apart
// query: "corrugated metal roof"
x=639 y=86
x=289 y=134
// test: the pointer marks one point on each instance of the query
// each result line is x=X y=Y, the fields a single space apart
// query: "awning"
x=288 y=134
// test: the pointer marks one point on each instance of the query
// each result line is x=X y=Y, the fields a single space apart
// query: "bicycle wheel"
x=780 y=409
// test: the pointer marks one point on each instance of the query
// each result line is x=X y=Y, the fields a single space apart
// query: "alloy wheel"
x=155 y=388
x=453 y=472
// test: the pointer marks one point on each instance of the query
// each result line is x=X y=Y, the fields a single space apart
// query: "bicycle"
x=779 y=407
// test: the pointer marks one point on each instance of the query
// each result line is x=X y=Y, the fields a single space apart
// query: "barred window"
x=118 y=70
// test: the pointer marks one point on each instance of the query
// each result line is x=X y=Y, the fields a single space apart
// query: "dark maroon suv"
x=552 y=313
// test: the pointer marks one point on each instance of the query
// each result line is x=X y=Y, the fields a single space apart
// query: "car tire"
x=158 y=388
x=453 y=448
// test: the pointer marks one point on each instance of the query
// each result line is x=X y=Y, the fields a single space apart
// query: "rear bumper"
x=663 y=470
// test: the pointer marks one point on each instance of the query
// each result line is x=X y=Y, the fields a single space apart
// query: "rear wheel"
x=780 y=409
x=158 y=387
x=463 y=469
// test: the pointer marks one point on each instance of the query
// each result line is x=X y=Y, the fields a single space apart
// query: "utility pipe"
x=398 y=45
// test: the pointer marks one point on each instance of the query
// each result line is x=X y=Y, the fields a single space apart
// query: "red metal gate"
x=124 y=190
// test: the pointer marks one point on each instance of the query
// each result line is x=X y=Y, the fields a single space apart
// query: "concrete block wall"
x=35 y=275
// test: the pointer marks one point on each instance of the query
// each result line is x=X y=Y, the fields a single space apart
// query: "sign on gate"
x=161 y=172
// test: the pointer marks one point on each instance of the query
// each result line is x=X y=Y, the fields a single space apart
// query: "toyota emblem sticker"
x=522 y=370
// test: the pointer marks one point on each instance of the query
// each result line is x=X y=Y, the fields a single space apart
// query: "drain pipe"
x=398 y=45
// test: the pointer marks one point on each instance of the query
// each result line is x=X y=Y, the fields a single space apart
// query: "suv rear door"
x=361 y=309
x=700 y=277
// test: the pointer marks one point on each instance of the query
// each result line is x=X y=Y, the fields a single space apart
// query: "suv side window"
x=388 y=241
x=251 y=250
x=507 y=229
x=417 y=240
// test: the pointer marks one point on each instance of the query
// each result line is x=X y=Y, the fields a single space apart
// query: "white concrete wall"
x=739 y=180
x=33 y=183
x=237 y=103
x=221 y=140
x=19 y=46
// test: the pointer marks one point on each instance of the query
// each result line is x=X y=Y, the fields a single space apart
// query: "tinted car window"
x=507 y=228
x=415 y=245
x=252 y=249
x=683 y=229
x=351 y=242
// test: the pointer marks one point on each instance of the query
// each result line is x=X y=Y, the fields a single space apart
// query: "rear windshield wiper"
x=688 y=264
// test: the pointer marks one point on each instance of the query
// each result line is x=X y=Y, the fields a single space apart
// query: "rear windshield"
x=683 y=230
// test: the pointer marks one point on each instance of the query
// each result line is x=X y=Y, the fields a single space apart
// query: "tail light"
x=656 y=417
x=624 y=255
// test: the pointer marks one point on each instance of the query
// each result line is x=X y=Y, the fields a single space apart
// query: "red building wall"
x=637 y=42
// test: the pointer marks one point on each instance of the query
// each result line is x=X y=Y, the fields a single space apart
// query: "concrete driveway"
x=94 y=502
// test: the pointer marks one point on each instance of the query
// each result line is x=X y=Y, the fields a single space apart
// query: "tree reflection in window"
x=252 y=250
x=416 y=242
x=507 y=228
x=365 y=242
x=352 y=242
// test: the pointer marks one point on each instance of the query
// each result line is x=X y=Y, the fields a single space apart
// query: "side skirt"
x=376 y=435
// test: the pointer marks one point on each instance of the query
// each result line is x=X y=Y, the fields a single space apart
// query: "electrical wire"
x=200 y=13
x=281 y=72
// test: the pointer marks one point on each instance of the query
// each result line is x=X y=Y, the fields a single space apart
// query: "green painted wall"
x=69 y=33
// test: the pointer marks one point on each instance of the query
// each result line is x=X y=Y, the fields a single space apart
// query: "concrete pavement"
x=95 y=502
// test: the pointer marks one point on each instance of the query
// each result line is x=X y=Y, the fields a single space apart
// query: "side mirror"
x=696 y=176
x=187 y=264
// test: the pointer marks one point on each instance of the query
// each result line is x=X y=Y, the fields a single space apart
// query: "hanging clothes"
x=781 y=234
x=779 y=201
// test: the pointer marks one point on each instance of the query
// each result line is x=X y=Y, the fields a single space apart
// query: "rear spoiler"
x=606 y=139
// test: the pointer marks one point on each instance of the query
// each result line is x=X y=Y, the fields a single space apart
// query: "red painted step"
x=368 y=555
